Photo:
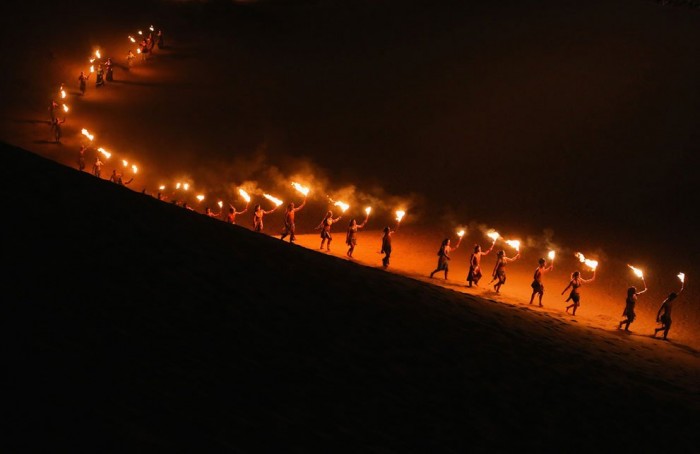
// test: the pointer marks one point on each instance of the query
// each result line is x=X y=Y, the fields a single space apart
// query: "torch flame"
x=131 y=38
x=399 y=215
x=493 y=235
x=151 y=28
x=63 y=93
x=681 y=276
x=161 y=187
x=636 y=271
x=368 y=210
x=134 y=168
x=551 y=255
x=138 y=51
x=200 y=197
x=302 y=189
x=244 y=194
x=97 y=53
x=186 y=186
x=140 y=32
x=126 y=164
x=343 y=206
x=87 y=134
x=221 y=204
x=272 y=199
x=65 y=108
x=592 y=264
x=178 y=185
x=92 y=68
x=460 y=234
x=106 y=153
x=515 y=244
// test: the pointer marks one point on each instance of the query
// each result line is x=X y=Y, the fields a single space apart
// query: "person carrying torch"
x=289 y=214
x=475 y=273
x=663 y=316
x=499 y=270
x=325 y=227
x=353 y=227
x=444 y=254
x=56 y=128
x=99 y=77
x=259 y=213
x=537 y=284
x=574 y=284
x=82 y=80
x=631 y=301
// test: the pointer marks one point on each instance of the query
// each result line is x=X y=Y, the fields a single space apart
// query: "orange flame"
x=551 y=255
x=106 y=153
x=637 y=271
x=515 y=244
x=399 y=215
x=200 y=197
x=65 y=108
x=368 y=210
x=63 y=93
x=302 y=189
x=272 y=199
x=97 y=53
x=460 y=234
x=92 y=68
x=126 y=164
x=681 y=276
x=138 y=51
x=134 y=168
x=244 y=194
x=151 y=28
x=140 y=32
x=221 y=204
x=161 y=187
x=87 y=134
x=592 y=264
x=343 y=206
x=131 y=38
x=186 y=186
x=493 y=235
x=178 y=185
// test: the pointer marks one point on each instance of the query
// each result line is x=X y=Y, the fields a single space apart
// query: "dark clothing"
x=629 y=308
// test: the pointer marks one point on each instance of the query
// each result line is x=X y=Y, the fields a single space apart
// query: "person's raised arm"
x=586 y=281
x=300 y=206
x=241 y=212
x=337 y=219
x=645 y=288
x=490 y=249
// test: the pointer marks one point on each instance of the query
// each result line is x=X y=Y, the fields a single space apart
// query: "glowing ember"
x=221 y=204
x=131 y=38
x=399 y=215
x=87 y=134
x=460 y=234
x=493 y=235
x=302 y=189
x=134 y=168
x=178 y=185
x=368 y=210
x=592 y=264
x=244 y=194
x=551 y=255
x=106 y=153
x=161 y=187
x=272 y=199
x=125 y=162
x=65 y=108
x=343 y=206
x=681 y=276
x=200 y=197
x=186 y=186
x=637 y=271
x=515 y=244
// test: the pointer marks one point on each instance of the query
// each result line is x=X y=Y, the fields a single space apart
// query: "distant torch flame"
x=161 y=187
x=63 y=94
x=138 y=51
x=131 y=38
x=200 y=197
x=98 y=54
x=551 y=255
x=343 y=206
x=272 y=199
x=87 y=134
x=92 y=60
x=592 y=264
x=399 y=215
x=125 y=162
x=244 y=194
x=178 y=185
x=92 y=68
x=493 y=235
x=134 y=168
x=151 y=28
x=460 y=234
x=186 y=186
x=140 y=32
x=221 y=204
x=515 y=244
x=368 y=210
x=637 y=271
x=681 y=276
x=302 y=189
x=106 y=153
x=65 y=108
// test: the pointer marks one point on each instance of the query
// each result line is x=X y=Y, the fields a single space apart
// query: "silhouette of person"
x=97 y=167
x=386 y=246
x=663 y=316
x=630 y=302
x=210 y=213
x=289 y=226
x=325 y=227
x=537 y=284
x=82 y=80
x=351 y=236
x=575 y=297
x=81 y=158
x=258 y=214
x=499 y=270
x=444 y=257
x=475 y=274
x=231 y=216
